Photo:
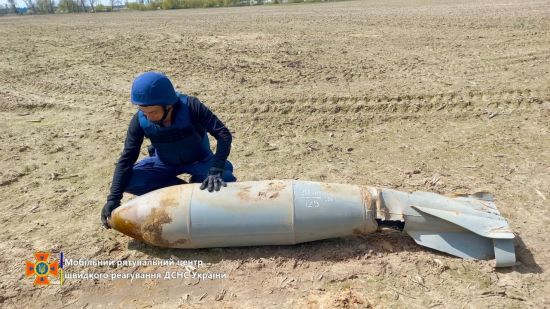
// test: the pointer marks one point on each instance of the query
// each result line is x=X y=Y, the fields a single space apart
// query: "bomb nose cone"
x=148 y=217
x=125 y=221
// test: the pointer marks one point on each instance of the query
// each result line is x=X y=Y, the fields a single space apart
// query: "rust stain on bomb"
x=152 y=227
x=150 y=230
x=244 y=194
x=171 y=198
x=271 y=192
x=181 y=241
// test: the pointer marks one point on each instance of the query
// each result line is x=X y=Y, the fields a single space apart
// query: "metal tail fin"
x=469 y=227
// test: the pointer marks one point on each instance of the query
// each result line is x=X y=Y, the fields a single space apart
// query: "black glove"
x=214 y=180
x=106 y=212
x=151 y=150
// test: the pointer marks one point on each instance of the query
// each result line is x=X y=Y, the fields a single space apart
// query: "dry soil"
x=442 y=96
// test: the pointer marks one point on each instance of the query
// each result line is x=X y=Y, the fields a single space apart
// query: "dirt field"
x=443 y=97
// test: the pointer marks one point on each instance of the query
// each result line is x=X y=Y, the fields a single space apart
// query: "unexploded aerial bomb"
x=285 y=212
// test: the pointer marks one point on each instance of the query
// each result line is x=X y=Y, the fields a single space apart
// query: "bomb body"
x=286 y=212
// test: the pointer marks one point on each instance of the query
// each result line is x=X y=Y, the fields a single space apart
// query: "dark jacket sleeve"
x=123 y=170
x=209 y=122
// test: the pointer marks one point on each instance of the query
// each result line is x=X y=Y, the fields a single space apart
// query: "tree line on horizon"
x=92 y=6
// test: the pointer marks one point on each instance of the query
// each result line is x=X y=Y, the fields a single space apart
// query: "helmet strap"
x=164 y=115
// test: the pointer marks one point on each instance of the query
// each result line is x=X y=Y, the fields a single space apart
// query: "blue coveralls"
x=151 y=174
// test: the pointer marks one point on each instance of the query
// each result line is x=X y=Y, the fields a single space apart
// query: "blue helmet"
x=153 y=88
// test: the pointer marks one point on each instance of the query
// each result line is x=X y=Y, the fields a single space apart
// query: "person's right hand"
x=213 y=181
x=106 y=212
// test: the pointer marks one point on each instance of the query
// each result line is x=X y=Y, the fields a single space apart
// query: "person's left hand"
x=214 y=180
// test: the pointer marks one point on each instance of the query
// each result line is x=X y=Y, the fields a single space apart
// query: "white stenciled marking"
x=314 y=199
x=312 y=203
